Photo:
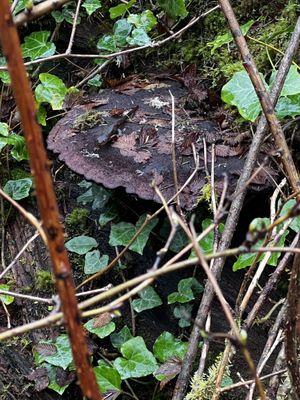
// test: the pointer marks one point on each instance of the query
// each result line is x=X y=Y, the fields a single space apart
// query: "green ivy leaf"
x=146 y=20
x=240 y=92
x=122 y=29
x=118 y=339
x=292 y=82
x=295 y=224
x=4 y=75
x=51 y=371
x=101 y=331
x=137 y=360
x=288 y=107
x=108 y=378
x=108 y=44
x=36 y=45
x=183 y=313
x=245 y=260
x=174 y=8
x=120 y=9
x=122 y=233
x=18 y=189
x=96 y=81
x=148 y=299
x=138 y=38
x=17 y=142
x=4 y=129
x=67 y=14
x=41 y=115
x=167 y=346
x=20 y=6
x=51 y=90
x=108 y=215
x=81 y=244
x=95 y=194
x=6 y=299
x=94 y=263
x=91 y=6
x=187 y=290
x=63 y=355
x=227 y=38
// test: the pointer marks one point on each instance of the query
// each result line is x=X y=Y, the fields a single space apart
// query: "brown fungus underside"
x=122 y=138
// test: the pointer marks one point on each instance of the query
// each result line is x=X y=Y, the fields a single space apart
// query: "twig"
x=27 y=215
x=159 y=43
x=275 y=381
x=47 y=201
x=26 y=296
x=19 y=255
x=245 y=383
x=38 y=10
x=71 y=41
x=96 y=71
x=174 y=151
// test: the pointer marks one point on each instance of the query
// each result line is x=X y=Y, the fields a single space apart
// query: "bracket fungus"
x=123 y=137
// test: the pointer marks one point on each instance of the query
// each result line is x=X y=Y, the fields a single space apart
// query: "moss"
x=43 y=280
x=77 y=219
x=18 y=173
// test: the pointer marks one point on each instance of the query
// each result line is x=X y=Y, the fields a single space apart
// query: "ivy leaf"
x=288 y=107
x=4 y=75
x=51 y=90
x=18 y=189
x=62 y=356
x=107 y=43
x=4 y=129
x=295 y=224
x=36 y=45
x=148 y=299
x=146 y=20
x=81 y=244
x=122 y=29
x=120 y=9
x=100 y=331
x=52 y=372
x=138 y=38
x=41 y=115
x=292 y=82
x=183 y=313
x=18 y=151
x=137 y=360
x=17 y=142
x=122 y=233
x=245 y=260
x=240 y=92
x=96 y=81
x=94 y=263
x=108 y=378
x=227 y=37
x=108 y=215
x=91 y=6
x=20 y=6
x=167 y=346
x=6 y=299
x=118 y=339
x=187 y=290
x=174 y=8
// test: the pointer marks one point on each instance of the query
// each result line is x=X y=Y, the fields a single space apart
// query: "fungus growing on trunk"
x=122 y=137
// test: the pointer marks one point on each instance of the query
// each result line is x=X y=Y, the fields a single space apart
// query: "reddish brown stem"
x=47 y=201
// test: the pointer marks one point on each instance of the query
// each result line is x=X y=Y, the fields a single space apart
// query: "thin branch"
x=38 y=10
x=71 y=41
x=47 y=201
